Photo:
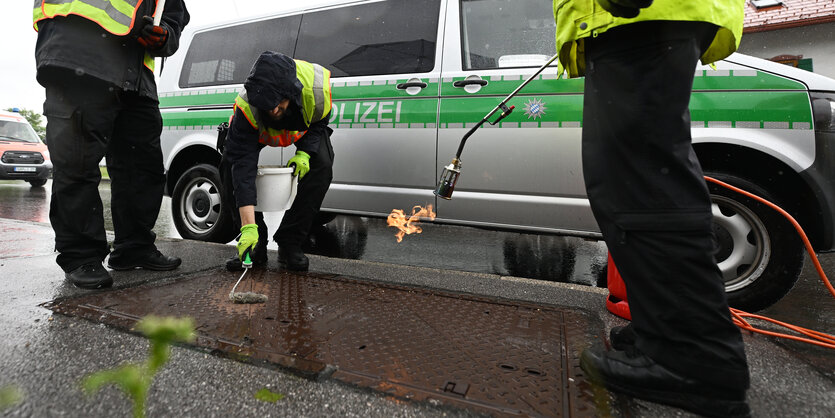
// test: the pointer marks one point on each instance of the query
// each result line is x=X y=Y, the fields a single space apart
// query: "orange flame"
x=397 y=218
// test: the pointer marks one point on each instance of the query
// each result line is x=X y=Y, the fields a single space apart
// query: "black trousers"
x=647 y=192
x=297 y=221
x=87 y=120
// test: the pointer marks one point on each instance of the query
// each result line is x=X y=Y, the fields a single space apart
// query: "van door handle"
x=465 y=83
x=404 y=86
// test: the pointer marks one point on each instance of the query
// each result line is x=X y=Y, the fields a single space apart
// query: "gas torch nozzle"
x=446 y=184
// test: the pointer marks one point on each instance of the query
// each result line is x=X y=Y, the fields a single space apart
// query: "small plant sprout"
x=10 y=396
x=266 y=395
x=135 y=379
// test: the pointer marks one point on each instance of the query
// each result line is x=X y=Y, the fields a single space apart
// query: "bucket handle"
x=293 y=188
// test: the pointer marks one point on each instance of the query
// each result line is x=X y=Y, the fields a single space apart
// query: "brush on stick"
x=246 y=297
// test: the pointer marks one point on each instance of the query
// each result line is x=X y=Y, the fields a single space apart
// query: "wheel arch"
x=794 y=194
x=186 y=158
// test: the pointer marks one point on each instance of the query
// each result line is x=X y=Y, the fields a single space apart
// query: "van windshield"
x=17 y=132
x=506 y=33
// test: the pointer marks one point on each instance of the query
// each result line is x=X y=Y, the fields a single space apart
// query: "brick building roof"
x=792 y=13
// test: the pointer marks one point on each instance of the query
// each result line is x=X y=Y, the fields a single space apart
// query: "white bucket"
x=276 y=186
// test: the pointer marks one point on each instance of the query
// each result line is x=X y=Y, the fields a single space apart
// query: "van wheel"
x=760 y=253
x=37 y=182
x=197 y=207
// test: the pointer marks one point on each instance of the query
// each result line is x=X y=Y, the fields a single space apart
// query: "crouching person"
x=285 y=102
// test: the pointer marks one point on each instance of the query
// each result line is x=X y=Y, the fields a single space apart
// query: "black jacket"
x=76 y=44
x=272 y=78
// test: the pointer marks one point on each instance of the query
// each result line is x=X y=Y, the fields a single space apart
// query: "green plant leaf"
x=266 y=395
x=10 y=396
x=135 y=379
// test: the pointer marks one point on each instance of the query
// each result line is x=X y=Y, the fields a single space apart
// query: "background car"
x=23 y=156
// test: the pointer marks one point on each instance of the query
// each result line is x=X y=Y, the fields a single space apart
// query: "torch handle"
x=501 y=106
x=158 y=12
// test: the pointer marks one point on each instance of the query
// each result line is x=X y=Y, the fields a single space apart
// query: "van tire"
x=760 y=253
x=197 y=207
x=37 y=182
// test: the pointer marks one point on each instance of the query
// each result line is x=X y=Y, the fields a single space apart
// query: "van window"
x=390 y=37
x=17 y=131
x=225 y=55
x=506 y=33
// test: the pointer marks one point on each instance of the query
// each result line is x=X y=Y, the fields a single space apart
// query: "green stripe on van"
x=786 y=110
x=191 y=119
x=554 y=108
x=732 y=109
x=198 y=98
x=742 y=80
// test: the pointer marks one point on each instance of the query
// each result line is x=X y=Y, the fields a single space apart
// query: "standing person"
x=96 y=63
x=284 y=102
x=648 y=194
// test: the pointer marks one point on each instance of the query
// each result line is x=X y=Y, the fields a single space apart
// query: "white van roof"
x=17 y=117
x=811 y=80
x=308 y=5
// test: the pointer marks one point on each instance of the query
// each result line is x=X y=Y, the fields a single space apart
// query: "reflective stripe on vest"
x=149 y=62
x=316 y=90
x=316 y=105
x=115 y=16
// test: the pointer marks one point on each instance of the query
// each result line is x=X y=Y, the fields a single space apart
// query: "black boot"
x=293 y=259
x=153 y=260
x=90 y=276
x=633 y=373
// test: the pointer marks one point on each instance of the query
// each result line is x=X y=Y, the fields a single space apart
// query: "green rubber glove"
x=302 y=162
x=248 y=239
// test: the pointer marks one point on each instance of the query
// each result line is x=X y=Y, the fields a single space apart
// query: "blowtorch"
x=450 y=173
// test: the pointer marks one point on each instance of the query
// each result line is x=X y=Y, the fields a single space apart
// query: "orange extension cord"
x=815 y=337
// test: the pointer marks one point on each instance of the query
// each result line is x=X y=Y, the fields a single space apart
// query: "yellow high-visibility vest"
x=579 y=19
x=316 y=105
x=114 y=16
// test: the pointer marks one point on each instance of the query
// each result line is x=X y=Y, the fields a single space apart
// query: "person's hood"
x=272 y=79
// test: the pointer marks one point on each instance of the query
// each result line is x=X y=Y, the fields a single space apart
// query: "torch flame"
x=397 y=218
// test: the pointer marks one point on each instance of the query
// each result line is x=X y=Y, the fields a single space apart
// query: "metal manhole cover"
x=495 y=356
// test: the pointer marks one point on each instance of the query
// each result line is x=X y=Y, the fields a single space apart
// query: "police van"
x=411 y=77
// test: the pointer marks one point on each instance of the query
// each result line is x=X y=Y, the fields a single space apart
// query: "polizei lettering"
x=366 y=112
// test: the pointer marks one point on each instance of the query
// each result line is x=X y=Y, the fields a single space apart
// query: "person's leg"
x=295 y=226
x=648 y=195
x=80 y=113
x=137 y=182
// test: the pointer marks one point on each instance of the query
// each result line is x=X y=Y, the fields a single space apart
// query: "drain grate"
x=493 y=356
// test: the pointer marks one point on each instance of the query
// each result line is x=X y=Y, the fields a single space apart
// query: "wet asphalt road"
x=541 y=257
x=45 y=354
